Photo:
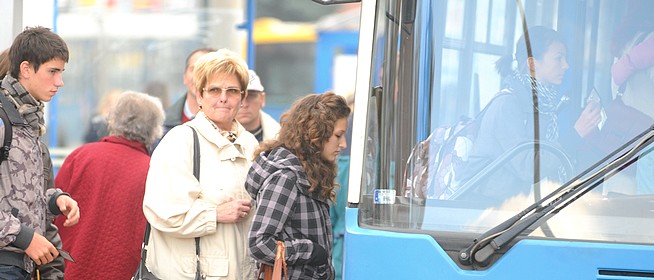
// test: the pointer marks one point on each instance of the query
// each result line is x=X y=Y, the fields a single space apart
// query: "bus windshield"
x=479 y=109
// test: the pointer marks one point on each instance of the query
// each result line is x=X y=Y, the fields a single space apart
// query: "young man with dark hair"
x=30 y=201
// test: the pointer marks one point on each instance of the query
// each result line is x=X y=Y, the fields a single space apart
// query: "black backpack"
x=10 y=117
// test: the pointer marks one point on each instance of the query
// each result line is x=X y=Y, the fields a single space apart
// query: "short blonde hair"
x=223 y=61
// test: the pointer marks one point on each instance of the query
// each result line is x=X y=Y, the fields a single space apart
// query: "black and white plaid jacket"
x=287 y=211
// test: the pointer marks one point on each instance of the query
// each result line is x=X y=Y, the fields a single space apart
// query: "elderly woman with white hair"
x=210 y=214
x=107 y=179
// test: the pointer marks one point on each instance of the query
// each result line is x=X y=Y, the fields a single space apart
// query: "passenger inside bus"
x=510 y=118
x=506 y=127
x=633 y=80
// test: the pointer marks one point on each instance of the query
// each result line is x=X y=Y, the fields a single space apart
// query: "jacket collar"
x=123 y=141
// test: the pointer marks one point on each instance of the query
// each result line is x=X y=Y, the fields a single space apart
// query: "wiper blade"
x=494 y=239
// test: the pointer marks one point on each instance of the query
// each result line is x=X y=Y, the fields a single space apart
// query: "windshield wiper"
x=494 y=239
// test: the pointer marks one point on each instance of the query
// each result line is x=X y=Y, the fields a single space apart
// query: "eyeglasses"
x=215 y=91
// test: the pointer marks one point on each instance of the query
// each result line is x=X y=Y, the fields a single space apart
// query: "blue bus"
x=461 y=171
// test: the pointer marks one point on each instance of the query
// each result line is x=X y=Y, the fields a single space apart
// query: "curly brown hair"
x=305 y=128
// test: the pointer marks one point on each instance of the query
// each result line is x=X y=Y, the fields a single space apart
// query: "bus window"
x=527 y=133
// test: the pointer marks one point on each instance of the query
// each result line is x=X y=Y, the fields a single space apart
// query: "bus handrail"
x=502 y=159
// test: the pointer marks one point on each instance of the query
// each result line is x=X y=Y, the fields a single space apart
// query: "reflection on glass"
x=488 y=144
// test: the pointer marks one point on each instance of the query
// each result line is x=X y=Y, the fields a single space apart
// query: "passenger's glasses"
x=215 y=91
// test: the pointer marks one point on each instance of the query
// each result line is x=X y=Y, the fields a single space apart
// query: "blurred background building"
x=296 y=46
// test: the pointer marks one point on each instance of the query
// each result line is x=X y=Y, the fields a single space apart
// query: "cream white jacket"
x=180 y=208
x=270 y=126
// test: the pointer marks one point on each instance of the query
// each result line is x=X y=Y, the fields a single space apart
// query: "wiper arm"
x=494 y=239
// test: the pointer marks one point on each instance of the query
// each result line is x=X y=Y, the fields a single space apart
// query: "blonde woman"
x=215 y=208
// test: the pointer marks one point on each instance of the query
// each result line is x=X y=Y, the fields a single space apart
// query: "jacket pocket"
x=215 y=266
x=187 y=262
x=319 y=272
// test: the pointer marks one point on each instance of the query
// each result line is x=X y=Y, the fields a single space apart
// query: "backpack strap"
x=10 y=109
x=10 y=117
x=6 y=143
x=458 y=129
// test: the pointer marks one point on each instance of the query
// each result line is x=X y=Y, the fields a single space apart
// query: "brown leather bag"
x=275 y=272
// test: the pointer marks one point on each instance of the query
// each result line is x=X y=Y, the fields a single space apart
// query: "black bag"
x=142 y=272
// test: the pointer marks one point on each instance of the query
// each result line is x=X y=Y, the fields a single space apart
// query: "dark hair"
x=36 y=45
x=305 y=128
x=200 y=50
x=540 y=39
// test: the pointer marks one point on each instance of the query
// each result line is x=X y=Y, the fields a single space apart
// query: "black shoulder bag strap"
x=196 y=173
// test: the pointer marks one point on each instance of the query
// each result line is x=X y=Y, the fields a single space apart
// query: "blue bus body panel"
x=374 y=254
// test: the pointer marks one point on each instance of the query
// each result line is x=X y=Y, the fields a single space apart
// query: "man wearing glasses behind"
x=255 y=120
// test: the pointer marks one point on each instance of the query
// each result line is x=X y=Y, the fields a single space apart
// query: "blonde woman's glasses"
x=215 y=91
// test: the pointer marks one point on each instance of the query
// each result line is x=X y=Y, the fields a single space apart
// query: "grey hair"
x=136 y=116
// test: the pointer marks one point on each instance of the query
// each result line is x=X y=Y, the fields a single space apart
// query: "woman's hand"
x=233 y=210
x=589 y=119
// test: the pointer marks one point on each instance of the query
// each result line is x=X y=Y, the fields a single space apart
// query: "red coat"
x=107 y=178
